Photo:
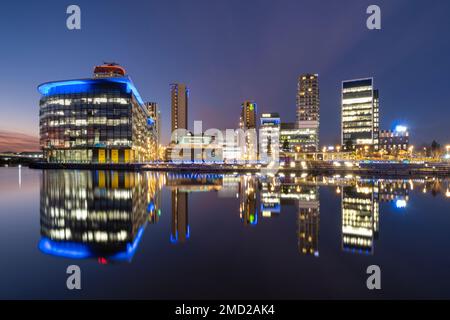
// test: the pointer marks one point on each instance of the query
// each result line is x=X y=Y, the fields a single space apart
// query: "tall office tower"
x=180 y=225
x=308 y=110
x=155 y=116
x=247 y=122
x=308 y=221
x=179 y=98
x=269 y=137
x=360 y=114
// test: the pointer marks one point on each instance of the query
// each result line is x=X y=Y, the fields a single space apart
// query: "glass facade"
x=293 y=139
x=94 y=121
x=360 y=114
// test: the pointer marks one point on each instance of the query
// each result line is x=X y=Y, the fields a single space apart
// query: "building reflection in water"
x=181 y=185
x=96 y=214
x=102 y=214
x=308 y=221
x=248 y=206
x=180 y=226
x=361 y=210
x=270 y=197
x=360 y=216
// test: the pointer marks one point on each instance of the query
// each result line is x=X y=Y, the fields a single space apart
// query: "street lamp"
x=411 y=149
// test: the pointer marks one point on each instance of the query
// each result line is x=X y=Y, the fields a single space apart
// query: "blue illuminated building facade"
x=98 y=120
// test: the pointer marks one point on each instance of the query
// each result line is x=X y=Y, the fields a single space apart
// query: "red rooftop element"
x=111 y=68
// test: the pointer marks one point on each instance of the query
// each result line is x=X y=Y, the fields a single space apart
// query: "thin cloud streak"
x=17 y=142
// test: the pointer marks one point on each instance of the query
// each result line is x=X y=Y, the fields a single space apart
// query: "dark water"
x=168 y=236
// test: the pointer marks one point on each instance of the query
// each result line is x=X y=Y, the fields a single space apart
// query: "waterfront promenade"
x=362 y=168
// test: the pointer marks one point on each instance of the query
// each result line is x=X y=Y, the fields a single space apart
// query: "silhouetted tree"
x=435 y=149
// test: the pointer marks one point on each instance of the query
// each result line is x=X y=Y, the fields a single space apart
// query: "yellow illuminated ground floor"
x=98 y=155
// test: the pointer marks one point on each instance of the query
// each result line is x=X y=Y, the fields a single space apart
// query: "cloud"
x=17 y=142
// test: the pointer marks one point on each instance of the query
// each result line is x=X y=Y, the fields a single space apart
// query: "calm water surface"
x=169 y=236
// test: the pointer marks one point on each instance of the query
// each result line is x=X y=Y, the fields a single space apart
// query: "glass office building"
x=96 y=120
x=294 y=139
x=360 y=114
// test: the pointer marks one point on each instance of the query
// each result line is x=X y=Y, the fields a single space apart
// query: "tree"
x=349 y=144
x=435 y=149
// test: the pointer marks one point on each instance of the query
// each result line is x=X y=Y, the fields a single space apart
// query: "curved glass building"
x=97 y=120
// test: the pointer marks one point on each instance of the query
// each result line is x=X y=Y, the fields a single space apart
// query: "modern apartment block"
x=248 y=123
x=95 y=120
x=248 y=115
x=308 y=110
x=179 y=94
x=359 y=114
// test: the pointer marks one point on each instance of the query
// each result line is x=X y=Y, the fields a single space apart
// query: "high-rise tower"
x=308 y=109
x=179 y=99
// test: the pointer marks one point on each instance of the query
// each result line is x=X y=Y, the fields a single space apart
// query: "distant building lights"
x=401 y=129
x=400 y=203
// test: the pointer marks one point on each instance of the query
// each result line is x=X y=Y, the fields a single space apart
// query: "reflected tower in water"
x=248 y=206
x=360 y=217
x=180 y=226
x=95 y=214
x=181 y=184
x=308 y=221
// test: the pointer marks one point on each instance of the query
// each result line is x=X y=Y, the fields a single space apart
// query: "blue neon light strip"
x=131 y=247
x=45 y=88
x=74 y=250
x=67 y=249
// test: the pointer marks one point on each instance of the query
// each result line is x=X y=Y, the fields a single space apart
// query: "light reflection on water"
x=103 y=217
x=102 y=214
